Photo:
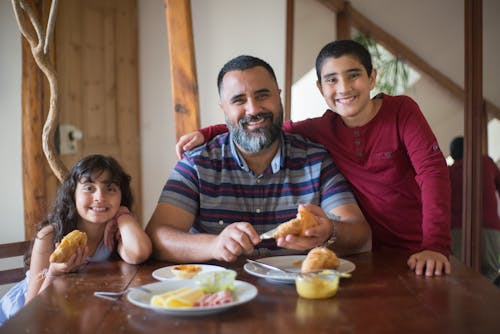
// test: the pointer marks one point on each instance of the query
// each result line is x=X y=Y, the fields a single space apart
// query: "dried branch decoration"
x=39 y=43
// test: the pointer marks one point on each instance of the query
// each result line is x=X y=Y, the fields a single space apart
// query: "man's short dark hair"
x=342 y=47
x=242 y=63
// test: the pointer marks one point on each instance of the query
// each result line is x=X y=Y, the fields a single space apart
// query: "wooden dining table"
x=382 y=296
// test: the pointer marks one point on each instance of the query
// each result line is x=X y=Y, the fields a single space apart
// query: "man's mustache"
x=255 y=118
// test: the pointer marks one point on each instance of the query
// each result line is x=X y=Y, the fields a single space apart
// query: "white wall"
x=157 y=119
x=11 y=197
x=224 y=29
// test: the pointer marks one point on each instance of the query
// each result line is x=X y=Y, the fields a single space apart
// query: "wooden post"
x=474 y=118
x=182 y=66
x=34 y=190
x=290 y=13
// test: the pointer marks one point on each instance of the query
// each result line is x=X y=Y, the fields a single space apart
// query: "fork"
x=115 y=295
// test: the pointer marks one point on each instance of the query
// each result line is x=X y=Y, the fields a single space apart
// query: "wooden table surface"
x=382 y=296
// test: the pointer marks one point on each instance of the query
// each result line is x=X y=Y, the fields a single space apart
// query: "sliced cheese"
x=159 y=300
x=183 y=297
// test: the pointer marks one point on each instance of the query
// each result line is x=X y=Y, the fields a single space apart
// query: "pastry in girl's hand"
x=320 y=258
x=185 y=271
x=297 y=226
x=68 y=246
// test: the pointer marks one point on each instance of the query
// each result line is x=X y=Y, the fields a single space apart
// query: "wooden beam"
x=33 y=158
x=336 y=6
x=290 y=13
x=491 y=109
x=473 y=126
x=344 y=22
x=182 y=66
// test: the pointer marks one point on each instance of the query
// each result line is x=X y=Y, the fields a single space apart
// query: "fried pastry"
x=320 y=258
x=297 y=226
x=68 y=246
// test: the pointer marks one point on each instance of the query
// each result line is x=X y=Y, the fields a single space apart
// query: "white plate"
x=243 y=293
x=165 y=273
x=289 y=262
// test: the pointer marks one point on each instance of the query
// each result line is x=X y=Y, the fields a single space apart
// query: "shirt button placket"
x=357 y=144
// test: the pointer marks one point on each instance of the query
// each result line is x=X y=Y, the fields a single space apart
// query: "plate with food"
x=183 y=271
x=208 y=293
x=295 y=264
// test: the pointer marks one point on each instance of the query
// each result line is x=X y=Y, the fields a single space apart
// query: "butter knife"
x=269 y=234
x=268 y=266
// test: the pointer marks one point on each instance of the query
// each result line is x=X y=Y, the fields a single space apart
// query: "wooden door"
x=96 y=61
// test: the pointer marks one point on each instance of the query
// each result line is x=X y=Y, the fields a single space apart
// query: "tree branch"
x=40 y=50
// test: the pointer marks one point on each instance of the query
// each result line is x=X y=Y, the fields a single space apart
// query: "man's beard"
x=260 y=139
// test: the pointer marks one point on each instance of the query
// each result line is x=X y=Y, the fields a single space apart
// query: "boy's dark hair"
x=64 y=216
x=242 y=63
x=457 y=148
x=342 y=47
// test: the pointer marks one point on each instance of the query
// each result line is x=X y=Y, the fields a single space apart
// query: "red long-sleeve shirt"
x=396 y=169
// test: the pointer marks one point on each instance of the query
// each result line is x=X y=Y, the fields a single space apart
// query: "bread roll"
x=320 y=258
x=297 y=226
x=68 y=246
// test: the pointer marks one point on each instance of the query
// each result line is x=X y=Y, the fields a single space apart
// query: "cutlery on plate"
x=269 y=266
x=115 y=295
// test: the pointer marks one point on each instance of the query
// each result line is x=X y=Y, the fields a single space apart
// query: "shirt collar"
x=276 y=163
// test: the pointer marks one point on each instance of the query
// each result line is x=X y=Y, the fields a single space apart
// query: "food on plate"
x=185 y=271
x=298 y=225
x=315 y=286
x=68 y=246
x=213 y=288
x=217 y=298
x=191 y=297
x=214 y=281
x=320 y=258
x=183 y=297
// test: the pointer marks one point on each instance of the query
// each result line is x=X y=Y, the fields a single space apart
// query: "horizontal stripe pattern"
x=210 y=183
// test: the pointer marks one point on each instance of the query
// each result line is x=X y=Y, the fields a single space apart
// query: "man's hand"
x=234 y=240
x=188 y=141
x=315 y=236
x=433 y=263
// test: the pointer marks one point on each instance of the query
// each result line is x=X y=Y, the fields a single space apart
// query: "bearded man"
x=222 y=195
